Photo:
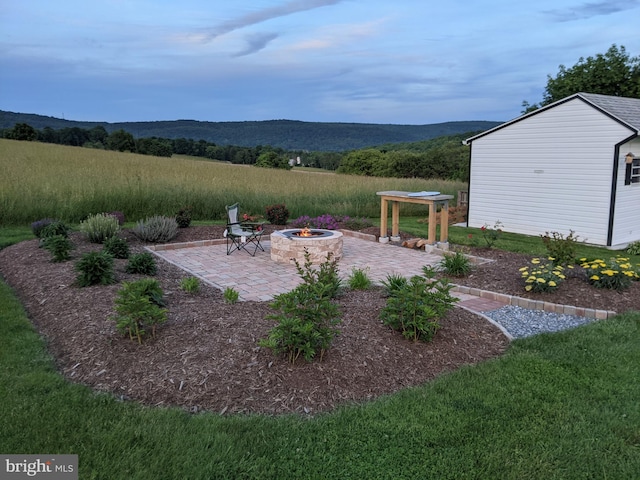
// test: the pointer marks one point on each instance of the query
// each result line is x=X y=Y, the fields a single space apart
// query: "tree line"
x=444 y=157
x=122 y=141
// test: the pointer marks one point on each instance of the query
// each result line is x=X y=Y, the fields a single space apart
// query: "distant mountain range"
x=287 y=134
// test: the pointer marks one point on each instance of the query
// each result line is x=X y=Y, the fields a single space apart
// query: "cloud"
x=288 y=8
x=338 y=36
x=593 y=9
x=256 y=42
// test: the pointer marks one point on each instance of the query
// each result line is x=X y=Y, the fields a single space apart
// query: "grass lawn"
x=561 y=405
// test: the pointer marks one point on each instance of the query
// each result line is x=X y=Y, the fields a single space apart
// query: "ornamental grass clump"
x=456 y=264
x=99 y=227
x=542 y=276
x=393 y=283
x=156 y=229
x=615 y=274
x=359 y=279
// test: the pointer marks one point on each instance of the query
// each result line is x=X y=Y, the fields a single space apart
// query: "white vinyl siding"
x=549 y=172
x=626 y=224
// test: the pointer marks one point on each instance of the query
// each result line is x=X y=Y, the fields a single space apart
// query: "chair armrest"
x=254 y=226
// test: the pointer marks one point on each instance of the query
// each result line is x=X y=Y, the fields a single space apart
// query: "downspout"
x=614 y=187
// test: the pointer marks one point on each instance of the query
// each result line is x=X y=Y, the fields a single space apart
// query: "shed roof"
x=622 y=109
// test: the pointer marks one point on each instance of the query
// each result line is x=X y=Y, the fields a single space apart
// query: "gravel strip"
x=521 y=322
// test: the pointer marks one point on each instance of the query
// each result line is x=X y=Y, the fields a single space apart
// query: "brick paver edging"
x=536 y=304
x=176 y=246
x=221 y=241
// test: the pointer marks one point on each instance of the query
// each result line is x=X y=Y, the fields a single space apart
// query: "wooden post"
x=432 y=223
x=444 y=222
x=395 y=219
x=431 y=200
x=383 y=218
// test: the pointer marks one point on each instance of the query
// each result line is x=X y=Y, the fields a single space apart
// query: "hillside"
x=287 y=134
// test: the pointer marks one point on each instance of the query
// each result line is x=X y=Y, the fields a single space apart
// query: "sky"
x=410 y=62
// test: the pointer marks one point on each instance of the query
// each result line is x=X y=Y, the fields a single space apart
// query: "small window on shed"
x=633 y=172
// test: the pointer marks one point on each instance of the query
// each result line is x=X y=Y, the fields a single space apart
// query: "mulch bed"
x=206 y=357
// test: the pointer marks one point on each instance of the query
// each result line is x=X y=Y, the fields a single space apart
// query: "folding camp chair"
x=242 y=235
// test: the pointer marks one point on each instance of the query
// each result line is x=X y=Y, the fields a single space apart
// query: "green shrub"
x=99 y=227
x=359 y=280
x=156 y=229
x=561 y=249
x=95 y=268
x=55 y=228
x=150 y=288
x=116 y=247
x=190 y=284
x=326 y=274
x=183 y=217
x=306 y=324
x=634 y=248
x=138 y=308
x=542 y=276
x=59 y=246
x=277 y=214
x=39 y=225
x=143 y=263
x=230 y=295
x=616 y=274
x=456 y=264
x=415 y=308
x=307 y=317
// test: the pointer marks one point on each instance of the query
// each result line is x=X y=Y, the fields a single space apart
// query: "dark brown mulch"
x=503 y=276
x=206 y=357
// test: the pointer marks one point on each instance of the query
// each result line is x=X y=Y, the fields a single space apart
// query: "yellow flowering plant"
x=616 y=273
x=542 y=275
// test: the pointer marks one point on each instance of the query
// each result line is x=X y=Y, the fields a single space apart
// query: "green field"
x=555 y=406
x=68 y=183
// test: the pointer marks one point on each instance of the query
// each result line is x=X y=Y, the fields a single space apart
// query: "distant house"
x=571 y=165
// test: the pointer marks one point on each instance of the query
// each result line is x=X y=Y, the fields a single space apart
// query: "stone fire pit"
x=287 y=245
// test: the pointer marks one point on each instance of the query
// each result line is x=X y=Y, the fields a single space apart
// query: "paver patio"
x=260 y=279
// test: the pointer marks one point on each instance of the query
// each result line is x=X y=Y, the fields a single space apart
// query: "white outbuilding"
x=573 y=165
